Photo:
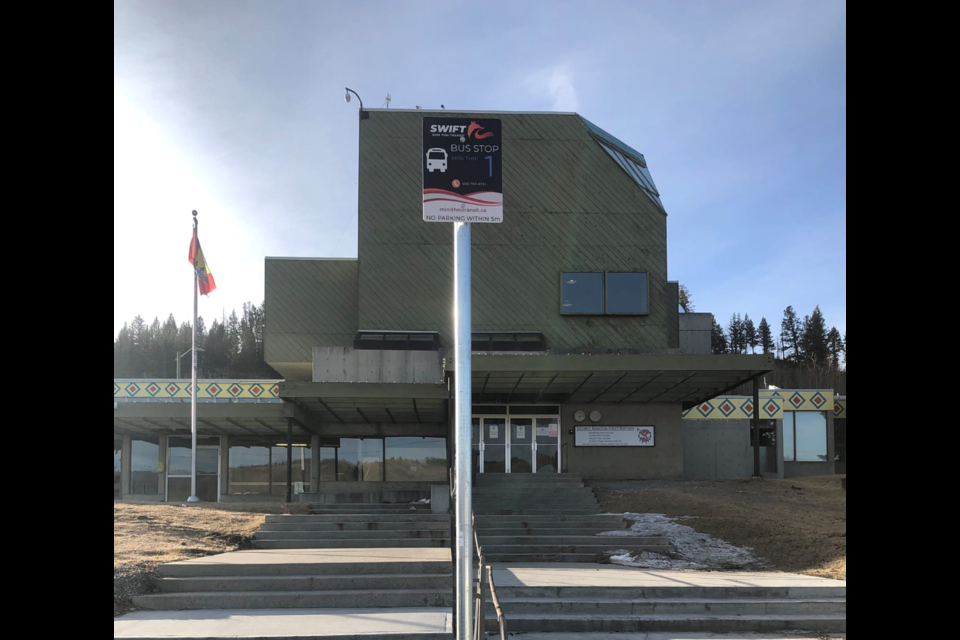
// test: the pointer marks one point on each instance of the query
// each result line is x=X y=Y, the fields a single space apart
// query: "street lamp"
x=180 y=355
x=346 y=98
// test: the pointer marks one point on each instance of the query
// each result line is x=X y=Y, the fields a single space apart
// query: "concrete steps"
x=701 y=609
x=332 y=599
x=524 y=623
x=320 y=582
x=366 y=534
x=357 y=517
x=390 y=528
x=548 y=518
x=301 y=578
x=372 y=543
x=364 y=508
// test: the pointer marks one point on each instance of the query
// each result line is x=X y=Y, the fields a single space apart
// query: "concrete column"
x=779 y=424
x=162 y=476
x=831 y=445
x=224 y=466
x=314 y=464
x=126 y=465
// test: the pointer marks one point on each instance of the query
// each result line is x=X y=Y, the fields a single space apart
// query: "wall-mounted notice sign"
x=613 y=436
x=462 y=177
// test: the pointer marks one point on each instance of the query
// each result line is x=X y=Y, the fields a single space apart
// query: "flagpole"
x=193 y=385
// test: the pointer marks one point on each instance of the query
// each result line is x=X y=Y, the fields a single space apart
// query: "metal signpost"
x=462 y=183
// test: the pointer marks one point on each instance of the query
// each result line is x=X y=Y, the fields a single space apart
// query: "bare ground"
x=795 y=524
x=149 y=534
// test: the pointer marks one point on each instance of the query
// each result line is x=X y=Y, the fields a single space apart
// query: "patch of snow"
x=694 y=550
x=422 y=501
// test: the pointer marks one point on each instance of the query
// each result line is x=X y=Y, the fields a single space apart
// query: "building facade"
x=582 y=361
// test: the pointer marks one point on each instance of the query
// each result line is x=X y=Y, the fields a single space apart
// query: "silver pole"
x=193 y=386
x=464 y=409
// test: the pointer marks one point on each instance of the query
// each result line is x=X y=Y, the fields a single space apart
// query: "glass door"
x=494 y=445
x=475 y=445
x=547 y=445
x=521 y=445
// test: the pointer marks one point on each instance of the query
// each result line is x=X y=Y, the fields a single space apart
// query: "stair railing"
x=485 y=578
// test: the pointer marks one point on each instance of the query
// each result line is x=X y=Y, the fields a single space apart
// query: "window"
x=626 y=293
x=249 y=470
x=278 y=468
x=117 y=448
x=582 y=293
x=415 y=459
x=360 y=460
x=328 y=464
x=804 y=436
x=598 y=293
x=144 y=456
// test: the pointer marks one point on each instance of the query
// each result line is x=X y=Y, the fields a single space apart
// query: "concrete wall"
x=664 y=460
x=721 y=449
x=375 y=492
x=568 y=206
x=695 y=331
x=346 y=364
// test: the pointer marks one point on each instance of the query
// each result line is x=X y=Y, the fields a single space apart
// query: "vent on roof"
x=629 y=159
x=397 y=340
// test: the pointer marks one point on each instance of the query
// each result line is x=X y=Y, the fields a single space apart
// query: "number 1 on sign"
x=489 y=160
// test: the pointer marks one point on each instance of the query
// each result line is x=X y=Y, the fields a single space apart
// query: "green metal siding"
x=309 y=303
x=567 y=207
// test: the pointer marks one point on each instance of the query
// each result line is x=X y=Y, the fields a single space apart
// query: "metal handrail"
x=484 y=579
x=501 y=619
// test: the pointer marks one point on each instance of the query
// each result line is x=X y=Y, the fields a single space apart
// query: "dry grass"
x=797 y=524
x=149 y=534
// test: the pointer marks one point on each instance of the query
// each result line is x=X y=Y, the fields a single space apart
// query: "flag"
x=204 y=277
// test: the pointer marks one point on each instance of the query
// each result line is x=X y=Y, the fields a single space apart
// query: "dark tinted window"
x=626 y=293
x=581 y=292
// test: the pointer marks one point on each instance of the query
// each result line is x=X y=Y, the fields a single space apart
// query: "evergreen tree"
x=765 y=336
x=750 y=334
x=738 y=343
x=835 y=346
x=686 y=300
x=814 y=339
x=718 y=340
x=790 y=329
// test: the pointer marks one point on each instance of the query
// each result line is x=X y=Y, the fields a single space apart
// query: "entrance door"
x=521 y=445
x=494 y=454
x=547 y=448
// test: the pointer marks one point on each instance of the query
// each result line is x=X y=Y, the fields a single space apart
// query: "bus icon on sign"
x=436 y=159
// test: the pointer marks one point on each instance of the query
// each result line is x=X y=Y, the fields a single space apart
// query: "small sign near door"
x=494 y=432
x=613 y=436
x=521 y=431
x=547 y=432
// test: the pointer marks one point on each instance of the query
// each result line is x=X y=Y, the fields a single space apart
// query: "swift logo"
x=473 y=131
x=448 y=128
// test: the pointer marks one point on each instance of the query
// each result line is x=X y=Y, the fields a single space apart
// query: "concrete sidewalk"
x=293 y=624
x=611 y=575
x=676 y=636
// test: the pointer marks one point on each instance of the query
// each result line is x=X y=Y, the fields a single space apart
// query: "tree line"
x=805 y=342
x=232 y=347
x=808 y=354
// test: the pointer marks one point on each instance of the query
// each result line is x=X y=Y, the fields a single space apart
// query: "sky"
x=235 y=109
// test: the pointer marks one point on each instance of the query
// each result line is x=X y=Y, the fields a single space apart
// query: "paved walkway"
x=330 y=624
x=611 y=575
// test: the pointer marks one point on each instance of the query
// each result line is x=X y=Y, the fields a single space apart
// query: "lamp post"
x=180 y=355
x=346 y=98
